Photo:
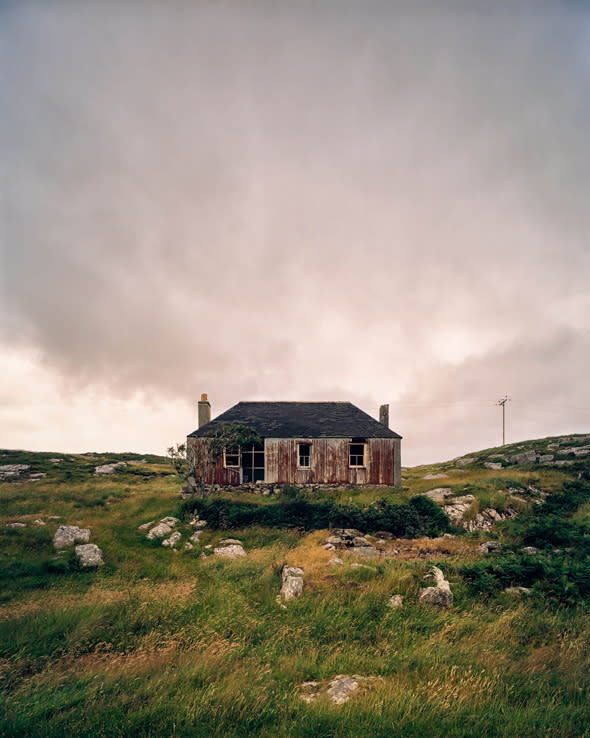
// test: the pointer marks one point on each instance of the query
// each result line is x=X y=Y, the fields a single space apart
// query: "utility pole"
x=503 y=402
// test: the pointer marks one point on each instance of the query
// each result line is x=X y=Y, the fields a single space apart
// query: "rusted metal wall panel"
x=329 y=463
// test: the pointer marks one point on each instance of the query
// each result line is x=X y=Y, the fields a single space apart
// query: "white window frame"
x=237 y=454
x=357 y=466
x=299 y=464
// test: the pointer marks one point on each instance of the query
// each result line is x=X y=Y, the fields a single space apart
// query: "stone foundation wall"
x=265 y=489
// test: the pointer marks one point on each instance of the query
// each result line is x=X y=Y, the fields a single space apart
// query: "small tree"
x=204 y=455
x=177 y=456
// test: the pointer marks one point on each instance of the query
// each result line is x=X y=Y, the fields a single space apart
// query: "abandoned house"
x=303 y=443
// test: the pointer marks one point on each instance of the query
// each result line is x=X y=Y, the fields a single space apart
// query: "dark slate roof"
x=302 y=420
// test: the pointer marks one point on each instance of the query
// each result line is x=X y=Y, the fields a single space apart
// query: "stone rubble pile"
x=351 y=541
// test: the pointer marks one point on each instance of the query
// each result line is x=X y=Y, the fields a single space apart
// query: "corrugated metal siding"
x=329 y=463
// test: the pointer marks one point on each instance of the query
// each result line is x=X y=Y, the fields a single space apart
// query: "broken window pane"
x=357 y=454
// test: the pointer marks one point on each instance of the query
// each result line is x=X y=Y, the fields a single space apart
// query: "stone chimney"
x=204 y=410
x=384 y=415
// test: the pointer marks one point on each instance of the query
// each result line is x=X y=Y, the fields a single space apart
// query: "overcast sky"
x=365 y=201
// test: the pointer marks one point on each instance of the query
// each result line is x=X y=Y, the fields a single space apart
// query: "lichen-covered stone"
x=68 y=535
x=89 y=555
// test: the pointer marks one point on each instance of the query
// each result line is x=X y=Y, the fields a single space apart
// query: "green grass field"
x=162 y=642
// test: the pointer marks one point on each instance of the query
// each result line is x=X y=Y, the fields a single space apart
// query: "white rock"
x=439 y=494
x=159 y=531
x=232 y=551
x=340 y=689
x=527 y=457
x=466 y=461
x=436 y=476
x=106 y=469
x=173 y=540
x=440 y=595
x=68 y=535
x=195 y=536
x=12 y=471
x=16 y=525
x=292 y=582
x=170 y=521
x=145 y=526
x=395 y=601
x=335 y=562
x=89 y=555
x=493 y=465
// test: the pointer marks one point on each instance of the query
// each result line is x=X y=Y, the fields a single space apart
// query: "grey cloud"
x=263 y=200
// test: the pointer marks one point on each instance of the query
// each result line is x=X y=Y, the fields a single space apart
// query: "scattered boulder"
x=527 y=457
x=292 y=582
x=489 y=547
x=106 y=469
x=338 y=690
x=341 y=687
x=395 y=601
x=529 y=550
x=458 y=506
x=173 y=540
x=353 y=541
x=89 y=555
x=441 y=475
x=546 y=458
x=158 y=531
x=439 y=494
x=39 y=522
x=466 y=461
x=440 y=595
x=145 y=526
x=68 y=535
x=37 y=476
x=8 y=472
x=230 y=549
x=335 y=562
x=485 y=519
x=170 y=521
x=195 y=536
x=496 y=465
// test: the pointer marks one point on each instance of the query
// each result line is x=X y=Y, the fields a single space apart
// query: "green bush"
x=420 y=516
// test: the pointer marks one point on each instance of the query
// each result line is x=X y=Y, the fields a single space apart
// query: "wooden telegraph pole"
x=503 y=402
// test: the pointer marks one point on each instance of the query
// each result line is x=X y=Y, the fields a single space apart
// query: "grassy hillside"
x=180 y=642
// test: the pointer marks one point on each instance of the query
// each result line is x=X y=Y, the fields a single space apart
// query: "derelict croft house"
x=303 y=443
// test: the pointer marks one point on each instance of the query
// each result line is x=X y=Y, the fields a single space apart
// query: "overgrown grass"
x=165 y=643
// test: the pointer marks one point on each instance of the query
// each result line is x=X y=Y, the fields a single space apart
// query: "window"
x=231 y=457
x=356 y=454
x=304 y=455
